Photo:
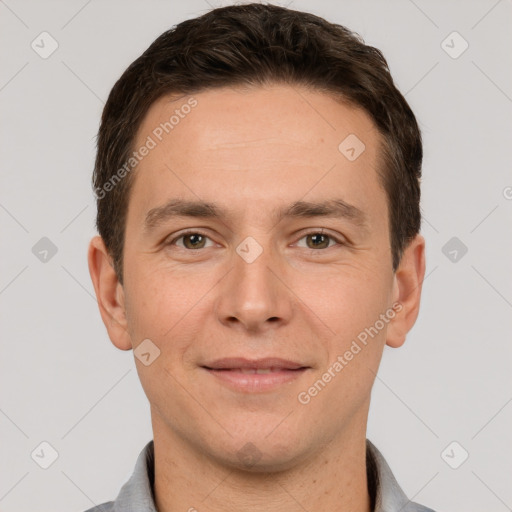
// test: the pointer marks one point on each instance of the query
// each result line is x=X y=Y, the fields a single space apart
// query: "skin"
x=251 y=151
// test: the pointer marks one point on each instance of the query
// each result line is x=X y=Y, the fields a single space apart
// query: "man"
x=257 y=182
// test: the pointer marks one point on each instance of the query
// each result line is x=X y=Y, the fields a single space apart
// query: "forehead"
x=225 y=117
x=256 y=144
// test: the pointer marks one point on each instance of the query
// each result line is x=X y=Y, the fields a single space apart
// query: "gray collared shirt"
x=136 y=495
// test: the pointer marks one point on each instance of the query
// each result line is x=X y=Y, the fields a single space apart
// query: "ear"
x=109 y=293
x=408 y=281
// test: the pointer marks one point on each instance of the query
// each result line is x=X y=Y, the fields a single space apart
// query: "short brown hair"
x=256 y=44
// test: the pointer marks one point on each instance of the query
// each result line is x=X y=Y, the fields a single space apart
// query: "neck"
x=334 y=479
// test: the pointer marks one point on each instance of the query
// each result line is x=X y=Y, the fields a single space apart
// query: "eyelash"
x=196 y=232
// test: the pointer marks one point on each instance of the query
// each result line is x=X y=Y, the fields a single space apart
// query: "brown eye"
x=191 y=241
x=195 y=241
x=319 y=240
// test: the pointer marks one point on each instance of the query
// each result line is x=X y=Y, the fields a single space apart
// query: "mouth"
x=253 y=376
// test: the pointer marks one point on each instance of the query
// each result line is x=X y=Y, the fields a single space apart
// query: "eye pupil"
x=318 y=237
x=195 y=237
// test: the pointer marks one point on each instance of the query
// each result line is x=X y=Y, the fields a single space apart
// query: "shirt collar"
x=387 y=496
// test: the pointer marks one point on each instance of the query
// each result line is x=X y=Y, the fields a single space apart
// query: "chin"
x=261 y=453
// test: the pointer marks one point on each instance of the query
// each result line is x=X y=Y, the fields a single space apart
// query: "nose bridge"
x=252 y=295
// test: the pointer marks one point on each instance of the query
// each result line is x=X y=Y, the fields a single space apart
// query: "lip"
x=231 y=363
x=244 y=375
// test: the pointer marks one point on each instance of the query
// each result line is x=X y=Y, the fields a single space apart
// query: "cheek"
x=343 y=382
x=164 y=307
x=351 y=306
x=347 y=299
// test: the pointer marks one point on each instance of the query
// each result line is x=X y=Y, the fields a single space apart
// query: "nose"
x=254 y=296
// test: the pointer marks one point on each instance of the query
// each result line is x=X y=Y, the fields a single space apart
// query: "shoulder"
x=387 y=493
x=104 y=507
x=416 y=507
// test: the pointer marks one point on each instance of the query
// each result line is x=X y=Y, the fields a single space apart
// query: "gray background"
x=63 y=382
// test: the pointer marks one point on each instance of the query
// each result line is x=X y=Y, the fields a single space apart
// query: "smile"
x=256 y=376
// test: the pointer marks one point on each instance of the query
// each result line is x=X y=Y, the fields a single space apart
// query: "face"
x=271 y=304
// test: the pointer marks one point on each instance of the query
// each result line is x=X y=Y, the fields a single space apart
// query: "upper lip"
x=241 y=362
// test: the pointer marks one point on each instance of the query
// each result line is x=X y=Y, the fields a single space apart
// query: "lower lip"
x=256 y=382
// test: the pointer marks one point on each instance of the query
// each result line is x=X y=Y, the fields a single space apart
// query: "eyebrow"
x=335 y=208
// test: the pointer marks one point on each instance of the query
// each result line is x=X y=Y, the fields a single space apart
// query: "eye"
x=191 y=240
x=319 y=240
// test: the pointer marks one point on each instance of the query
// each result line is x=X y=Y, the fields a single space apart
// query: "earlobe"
x=408 y=281
x=109 y=293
